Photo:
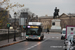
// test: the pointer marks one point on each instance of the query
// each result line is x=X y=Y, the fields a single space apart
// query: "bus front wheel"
x=42 y=37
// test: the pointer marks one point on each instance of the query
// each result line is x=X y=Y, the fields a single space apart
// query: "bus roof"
x=35 y=23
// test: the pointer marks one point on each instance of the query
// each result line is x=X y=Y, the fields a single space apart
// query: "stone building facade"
x=46 y=21
x=65 y=20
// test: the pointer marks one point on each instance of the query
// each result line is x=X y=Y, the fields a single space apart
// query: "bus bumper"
x=39 y=38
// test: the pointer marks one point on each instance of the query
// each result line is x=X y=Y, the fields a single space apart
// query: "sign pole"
x=8 y=34
x=8 y=25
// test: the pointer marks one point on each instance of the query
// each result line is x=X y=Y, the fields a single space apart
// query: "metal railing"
x=5 y=31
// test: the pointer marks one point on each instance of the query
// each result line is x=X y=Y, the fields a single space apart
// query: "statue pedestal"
x=56 y=25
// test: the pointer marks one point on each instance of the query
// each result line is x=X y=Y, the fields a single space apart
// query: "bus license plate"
x=32 y=35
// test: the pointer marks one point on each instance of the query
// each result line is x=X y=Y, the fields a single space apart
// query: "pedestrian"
x=48 y=30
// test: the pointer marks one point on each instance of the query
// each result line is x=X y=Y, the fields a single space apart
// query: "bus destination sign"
x=32 y=27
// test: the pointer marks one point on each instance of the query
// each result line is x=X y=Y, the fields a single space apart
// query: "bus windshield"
x=32 y=31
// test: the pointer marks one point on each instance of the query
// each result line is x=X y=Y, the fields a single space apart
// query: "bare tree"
x=4 y=12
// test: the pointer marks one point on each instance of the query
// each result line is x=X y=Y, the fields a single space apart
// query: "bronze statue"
x=56 y=13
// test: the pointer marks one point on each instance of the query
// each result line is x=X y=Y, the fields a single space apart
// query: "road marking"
x=45 y=37
x=35 y=45
x=52 y=37
x=57 y=37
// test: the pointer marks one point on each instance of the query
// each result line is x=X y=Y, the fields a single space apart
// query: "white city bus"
x=34 y=31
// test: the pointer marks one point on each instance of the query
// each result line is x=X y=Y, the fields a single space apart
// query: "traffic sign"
x=22 y=21
x=24 y=26
x=8 y=24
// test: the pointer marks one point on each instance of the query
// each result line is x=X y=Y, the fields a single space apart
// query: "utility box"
x=34 y=23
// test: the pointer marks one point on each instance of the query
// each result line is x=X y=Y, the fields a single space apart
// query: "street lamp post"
x=15 y=27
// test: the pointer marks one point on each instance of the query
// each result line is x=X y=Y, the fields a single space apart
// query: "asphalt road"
x=51 y=41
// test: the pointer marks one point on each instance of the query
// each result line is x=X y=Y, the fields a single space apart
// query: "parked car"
x=63 y=33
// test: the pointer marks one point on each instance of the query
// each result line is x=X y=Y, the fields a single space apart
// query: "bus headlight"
x=39 y=38
x=26 y=36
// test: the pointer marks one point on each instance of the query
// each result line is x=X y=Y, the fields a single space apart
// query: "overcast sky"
x=46 y=7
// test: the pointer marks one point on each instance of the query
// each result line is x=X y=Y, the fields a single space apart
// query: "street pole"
x=8 y=25
x=8 y=34
x=24 y=24
x=15 y=27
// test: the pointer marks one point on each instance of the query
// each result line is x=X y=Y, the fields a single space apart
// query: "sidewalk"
x=5 y=43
